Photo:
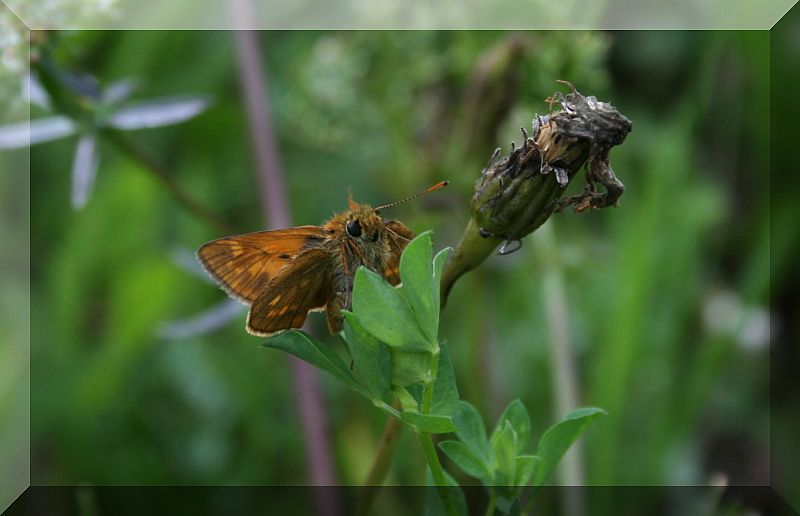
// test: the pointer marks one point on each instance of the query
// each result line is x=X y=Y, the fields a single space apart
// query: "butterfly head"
x=363 y=222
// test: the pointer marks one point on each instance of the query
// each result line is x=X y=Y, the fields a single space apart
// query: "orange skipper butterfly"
x=286 y=273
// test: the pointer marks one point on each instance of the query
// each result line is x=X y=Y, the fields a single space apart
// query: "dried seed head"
x=517 y=193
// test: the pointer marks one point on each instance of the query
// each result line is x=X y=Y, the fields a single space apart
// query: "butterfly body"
x=284 y=274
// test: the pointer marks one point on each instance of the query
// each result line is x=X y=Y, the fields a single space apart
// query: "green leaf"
x=471 y=431
x=386 y=408
x=430 y=423
x=372 y=363
x=513 y=509
x=468 y=460
x=524 y=468
x=315 y=353
x=417 y=390
x=384 y=312
x=433 y=503
x=445 y=391
x=504 y=447
x=417 y=276
x=406 y=399
x=558 y=439
x=410 y=368
x=517 y=415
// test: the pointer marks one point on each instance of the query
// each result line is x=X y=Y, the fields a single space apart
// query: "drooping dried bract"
x=517 y=193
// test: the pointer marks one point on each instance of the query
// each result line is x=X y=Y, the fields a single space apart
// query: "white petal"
x=186 y=260
x=756 y=329
x=158 y=113
x=84 y=170
x=119 y=91
x=204 y=322
x=31 y=132
x=33 y=92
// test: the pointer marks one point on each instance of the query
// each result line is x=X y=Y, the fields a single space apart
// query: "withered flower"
x=517 y=193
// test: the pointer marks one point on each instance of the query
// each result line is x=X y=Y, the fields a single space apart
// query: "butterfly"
x=284 y=274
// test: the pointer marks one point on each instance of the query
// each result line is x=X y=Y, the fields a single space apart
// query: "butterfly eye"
x=353 y=228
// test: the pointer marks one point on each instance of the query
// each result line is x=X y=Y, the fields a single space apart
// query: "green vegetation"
x=664 y=298
x=402 y=354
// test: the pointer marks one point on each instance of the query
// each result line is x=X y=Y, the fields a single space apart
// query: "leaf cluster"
x=391 y=339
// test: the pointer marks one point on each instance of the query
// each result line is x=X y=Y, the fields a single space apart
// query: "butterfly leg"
x=333 y=314
x=345 y=293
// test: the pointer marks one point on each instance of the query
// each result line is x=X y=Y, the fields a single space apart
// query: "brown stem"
x=160 y=172
x=313 y=413
x=381 y=463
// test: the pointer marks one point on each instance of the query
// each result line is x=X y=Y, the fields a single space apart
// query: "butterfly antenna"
x=440 y=184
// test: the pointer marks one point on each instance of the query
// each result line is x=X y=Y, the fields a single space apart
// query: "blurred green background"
x=668 y=296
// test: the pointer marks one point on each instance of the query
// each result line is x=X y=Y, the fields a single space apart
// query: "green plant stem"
x=472 y=250
x=427 y=393
x=492 y=503
x=426 y=441
x=149 y=164
x=386 y=446
x=437 y=472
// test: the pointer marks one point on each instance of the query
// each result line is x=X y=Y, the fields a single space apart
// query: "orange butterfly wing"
x=243 y=265
x=399 y=236
x=307 y=285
